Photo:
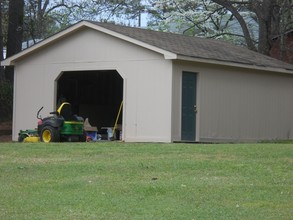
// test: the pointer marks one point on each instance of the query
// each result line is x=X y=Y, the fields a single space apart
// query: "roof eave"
x=233 y=64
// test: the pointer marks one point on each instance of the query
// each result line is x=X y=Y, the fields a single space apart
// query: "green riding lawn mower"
x=61 y=126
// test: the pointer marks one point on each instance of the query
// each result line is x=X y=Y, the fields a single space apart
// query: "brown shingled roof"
x=196 y=47
x=185 y=47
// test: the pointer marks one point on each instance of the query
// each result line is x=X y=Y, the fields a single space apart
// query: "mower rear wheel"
x=49 y=134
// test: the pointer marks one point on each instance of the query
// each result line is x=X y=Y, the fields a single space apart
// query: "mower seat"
x=65 y=111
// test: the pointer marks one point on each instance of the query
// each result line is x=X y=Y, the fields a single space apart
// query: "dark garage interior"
x=95 y=95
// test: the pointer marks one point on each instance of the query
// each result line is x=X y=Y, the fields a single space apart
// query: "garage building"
x=173 y=87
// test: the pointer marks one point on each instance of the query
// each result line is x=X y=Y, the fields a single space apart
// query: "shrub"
x=6 y=100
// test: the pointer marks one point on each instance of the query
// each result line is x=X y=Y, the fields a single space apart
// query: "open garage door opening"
x=96 y=95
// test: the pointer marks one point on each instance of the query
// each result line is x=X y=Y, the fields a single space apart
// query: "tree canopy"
x=252 y=23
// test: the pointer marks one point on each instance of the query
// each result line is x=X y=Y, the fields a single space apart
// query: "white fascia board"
x=232 y=64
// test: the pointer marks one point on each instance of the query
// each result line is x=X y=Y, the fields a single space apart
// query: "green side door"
x=189 y=108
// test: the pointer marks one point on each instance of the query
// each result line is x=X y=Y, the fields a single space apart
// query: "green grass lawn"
x=111 y=180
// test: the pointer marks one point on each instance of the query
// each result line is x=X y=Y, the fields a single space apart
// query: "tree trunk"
x=15 y=32
x=264 y=12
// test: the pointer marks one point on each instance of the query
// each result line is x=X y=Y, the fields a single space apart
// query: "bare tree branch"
x=228 y=5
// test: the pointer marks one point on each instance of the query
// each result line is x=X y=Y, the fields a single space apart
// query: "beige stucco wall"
x=236 y=104
x=147 y=82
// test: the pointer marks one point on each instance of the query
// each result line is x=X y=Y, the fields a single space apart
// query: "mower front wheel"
x=22 y=137
x=49 y=134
